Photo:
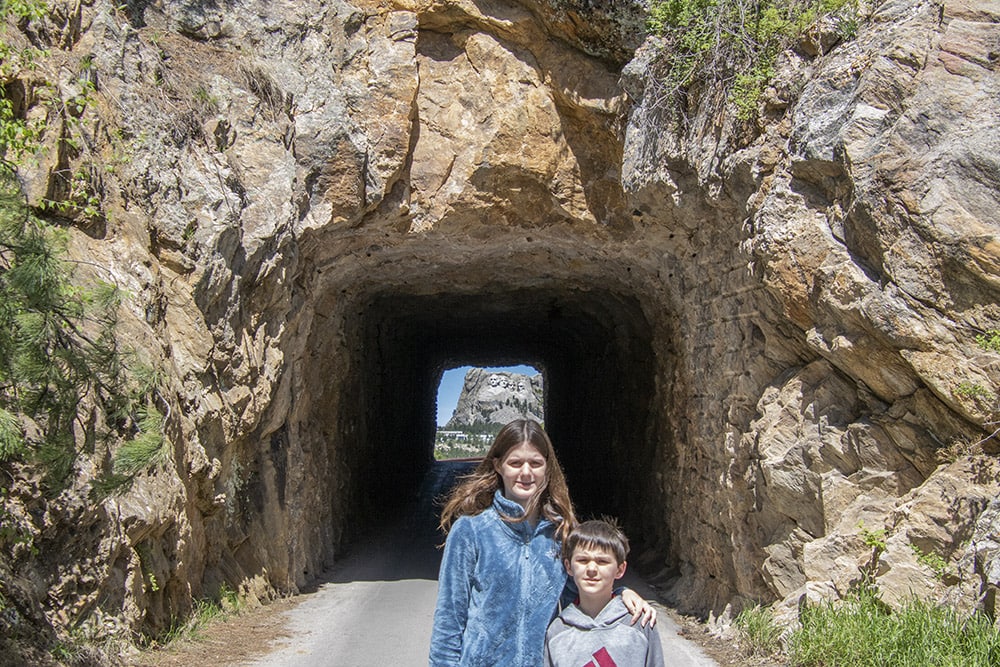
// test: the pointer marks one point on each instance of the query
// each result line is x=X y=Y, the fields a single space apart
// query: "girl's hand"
x=639 y=608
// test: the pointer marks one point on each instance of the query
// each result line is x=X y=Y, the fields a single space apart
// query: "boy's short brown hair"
x=603 y=534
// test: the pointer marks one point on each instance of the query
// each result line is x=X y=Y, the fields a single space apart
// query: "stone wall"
x=316 y=204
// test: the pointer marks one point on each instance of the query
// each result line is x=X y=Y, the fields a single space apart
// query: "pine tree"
x=58 y=348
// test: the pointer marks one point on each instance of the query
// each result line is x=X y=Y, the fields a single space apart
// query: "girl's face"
x=523 y=472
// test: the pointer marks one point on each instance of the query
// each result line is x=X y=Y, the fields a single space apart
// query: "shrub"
x=734 y=43
x=58 y=350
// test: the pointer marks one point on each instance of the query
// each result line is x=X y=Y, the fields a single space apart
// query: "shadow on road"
x=407 y=546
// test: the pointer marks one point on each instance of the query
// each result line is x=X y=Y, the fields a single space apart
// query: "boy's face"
x=594 y=570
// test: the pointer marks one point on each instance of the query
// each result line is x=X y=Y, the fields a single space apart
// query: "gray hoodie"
x=577 y=640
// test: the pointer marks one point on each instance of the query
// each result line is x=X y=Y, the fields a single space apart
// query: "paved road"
x=377 y=605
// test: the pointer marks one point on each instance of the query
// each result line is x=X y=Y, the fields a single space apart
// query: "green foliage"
x=145 y=449
x=82 y=199
x=875 y=539
x=230 y=600
x=984 y=399
x=759 y=633
x=990 y=340
x=461 y=444
x=31 y=10
x=42 y=351
x=58 y=347
x=931 y=560
x=973 y=390
x=734 y=42
x=18 y=137
x=861 y=630
x=11 y=444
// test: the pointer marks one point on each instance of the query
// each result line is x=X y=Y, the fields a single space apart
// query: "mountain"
x=490 y=399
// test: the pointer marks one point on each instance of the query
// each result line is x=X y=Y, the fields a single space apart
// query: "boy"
x=596 y=630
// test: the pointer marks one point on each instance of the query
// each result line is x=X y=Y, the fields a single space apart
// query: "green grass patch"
x=205 y=612
x=863 y=631
x=760 y=635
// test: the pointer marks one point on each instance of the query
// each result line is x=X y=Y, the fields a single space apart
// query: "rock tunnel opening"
x=593 y=345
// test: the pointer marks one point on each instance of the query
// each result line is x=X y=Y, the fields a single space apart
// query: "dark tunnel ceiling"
x=595 y=349
x=517 y=325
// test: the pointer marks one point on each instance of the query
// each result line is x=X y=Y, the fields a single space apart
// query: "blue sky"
x=451 y=387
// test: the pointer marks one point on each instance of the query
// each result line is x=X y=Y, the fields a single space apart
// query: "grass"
x=204 y=612
x=760 y=635
x=863 y=631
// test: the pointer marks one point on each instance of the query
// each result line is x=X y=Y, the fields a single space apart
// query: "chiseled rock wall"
x=813 y=291
x=865 y=215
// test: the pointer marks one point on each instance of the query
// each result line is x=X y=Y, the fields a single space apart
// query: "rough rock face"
x=317 y=206
x=494 y=398
x=874 y=265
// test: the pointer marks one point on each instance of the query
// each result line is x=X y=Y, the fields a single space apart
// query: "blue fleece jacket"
x=498 y=588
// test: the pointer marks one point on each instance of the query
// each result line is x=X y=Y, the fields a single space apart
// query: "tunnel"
x=591 y=338
x=593 y=349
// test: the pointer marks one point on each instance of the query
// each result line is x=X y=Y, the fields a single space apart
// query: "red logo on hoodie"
x=602 y=659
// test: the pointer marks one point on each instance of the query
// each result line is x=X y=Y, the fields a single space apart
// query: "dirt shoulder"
x=226 y=641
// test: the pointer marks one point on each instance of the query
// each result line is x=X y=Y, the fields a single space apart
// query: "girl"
x=501 y=575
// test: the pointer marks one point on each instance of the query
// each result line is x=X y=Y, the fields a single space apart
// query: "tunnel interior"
x=594 y=347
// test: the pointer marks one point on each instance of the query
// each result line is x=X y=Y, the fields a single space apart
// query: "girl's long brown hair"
x=474 y=492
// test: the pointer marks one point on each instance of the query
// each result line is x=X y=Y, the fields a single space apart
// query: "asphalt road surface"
x=376 y=607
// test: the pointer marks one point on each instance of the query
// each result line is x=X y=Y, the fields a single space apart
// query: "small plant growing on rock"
x=931 y=560
x=984 y=399
x=876 y=541
x=973 y=391
x=989 y=340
